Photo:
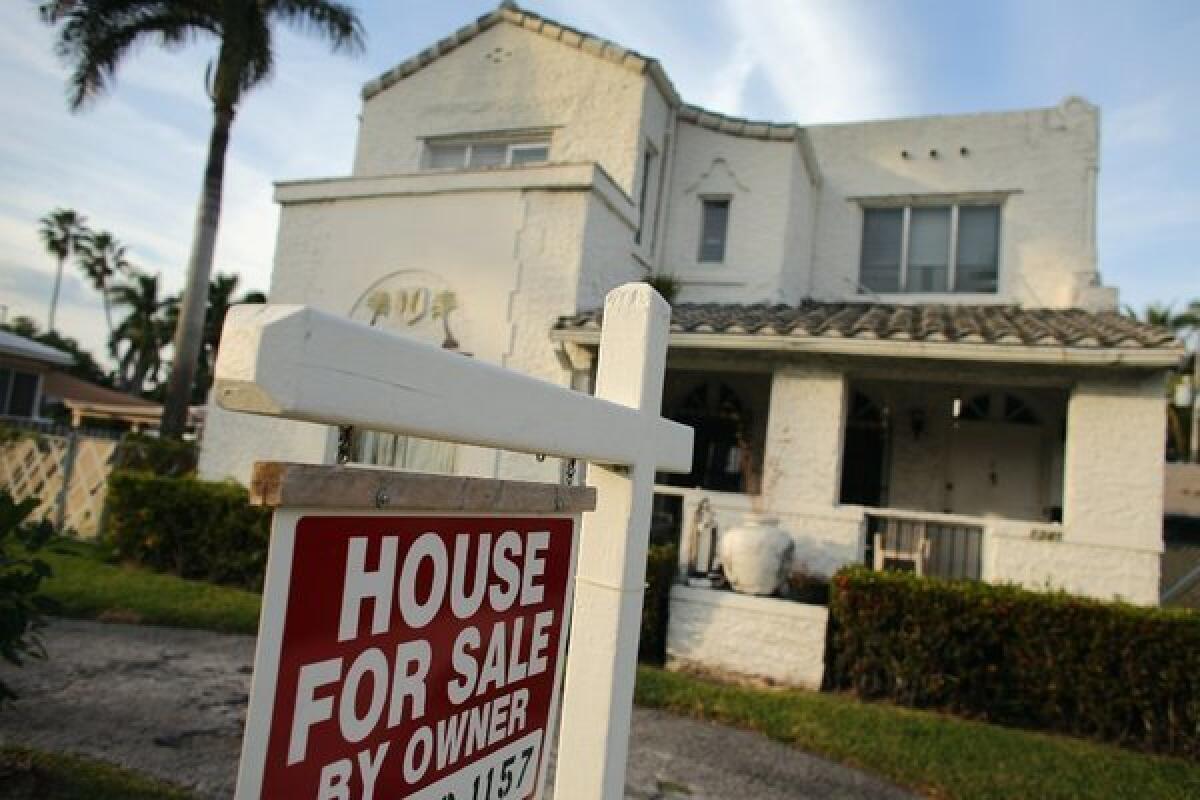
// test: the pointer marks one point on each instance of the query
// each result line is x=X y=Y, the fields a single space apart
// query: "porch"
x=930 y=472
x=986 y=442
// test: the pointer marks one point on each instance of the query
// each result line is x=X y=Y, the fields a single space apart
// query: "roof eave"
x=1141 y=358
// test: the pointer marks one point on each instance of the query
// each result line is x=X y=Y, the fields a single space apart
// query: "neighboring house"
x=1181 y=536
x=24 y=366
x=893 y=335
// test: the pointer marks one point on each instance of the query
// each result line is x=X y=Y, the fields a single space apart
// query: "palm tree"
x=101 y=257
x=1161 y=315
x=221 y=297
x=95 y=35
x=62 y=230
x=142 y=333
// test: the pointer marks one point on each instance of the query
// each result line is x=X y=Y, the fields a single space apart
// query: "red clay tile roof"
x=996 y=325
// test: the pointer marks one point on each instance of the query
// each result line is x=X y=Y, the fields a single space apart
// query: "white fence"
x=65 y=470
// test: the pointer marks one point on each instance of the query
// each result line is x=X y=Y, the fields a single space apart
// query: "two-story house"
x=892 y=335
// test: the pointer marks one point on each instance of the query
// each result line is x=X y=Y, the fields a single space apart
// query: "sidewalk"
x=171 y=702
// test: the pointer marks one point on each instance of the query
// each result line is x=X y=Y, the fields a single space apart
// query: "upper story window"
x=645 y=198
x=486 y=152
x=714 y=229
x=949 y=248
x=18 y=392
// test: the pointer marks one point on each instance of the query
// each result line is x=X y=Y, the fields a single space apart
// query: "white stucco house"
x=893 y=327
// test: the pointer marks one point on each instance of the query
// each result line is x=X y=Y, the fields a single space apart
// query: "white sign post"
x=298 y=363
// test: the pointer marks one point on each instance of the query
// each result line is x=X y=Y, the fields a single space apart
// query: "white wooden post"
x=298 y=363
x=611 y=576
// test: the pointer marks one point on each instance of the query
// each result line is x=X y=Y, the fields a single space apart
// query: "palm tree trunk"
x=54 y=295
x=189 y=333
x=107 y=310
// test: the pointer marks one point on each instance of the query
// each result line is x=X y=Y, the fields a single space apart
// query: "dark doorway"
x=865 y=455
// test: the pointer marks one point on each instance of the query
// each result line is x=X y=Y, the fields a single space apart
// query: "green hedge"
x=195 y=529
x=662 y=563
x=163 y=457
x=1051 y=661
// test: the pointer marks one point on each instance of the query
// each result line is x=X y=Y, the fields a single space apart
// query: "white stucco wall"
x=509 y=78
x=802 y=464
x=761 y=638
x=1105 y=573
x=759 y=178
x=513 y=256
x=802 y=468
x=1047 y=158
x=1114 y=464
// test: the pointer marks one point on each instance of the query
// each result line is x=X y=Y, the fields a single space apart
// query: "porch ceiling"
x=964 y=332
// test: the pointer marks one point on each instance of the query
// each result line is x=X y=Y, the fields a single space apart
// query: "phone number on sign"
x=510 y=773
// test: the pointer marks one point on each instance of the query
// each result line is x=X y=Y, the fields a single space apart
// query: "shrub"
x=1051 y=661
x=22 y=609
x=165 y=457
x=195 y=529
x=662 y=562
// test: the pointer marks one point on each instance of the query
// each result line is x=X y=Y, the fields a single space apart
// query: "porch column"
x=1113 y=485
x=803 y=459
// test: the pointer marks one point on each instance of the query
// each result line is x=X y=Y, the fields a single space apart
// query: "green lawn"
x=940 y=756
x=85 y=586
x=31 y=775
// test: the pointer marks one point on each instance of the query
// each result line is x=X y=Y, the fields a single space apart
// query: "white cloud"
x=727 y=91
x=826 y=61
x=1146 y=121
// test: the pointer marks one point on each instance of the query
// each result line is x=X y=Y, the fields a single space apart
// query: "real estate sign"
x=413 y=654
x=413 y=627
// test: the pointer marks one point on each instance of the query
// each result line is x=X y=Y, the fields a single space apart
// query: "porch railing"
x=931 y=547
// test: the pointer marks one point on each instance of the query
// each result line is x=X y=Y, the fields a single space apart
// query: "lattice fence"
x=36 y=464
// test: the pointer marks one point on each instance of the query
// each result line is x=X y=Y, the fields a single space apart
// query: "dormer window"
x=482 y=152
x=930 y=249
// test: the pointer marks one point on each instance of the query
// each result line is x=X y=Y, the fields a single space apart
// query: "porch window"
x=728 y=417
x=930 y=249
x=403 y=452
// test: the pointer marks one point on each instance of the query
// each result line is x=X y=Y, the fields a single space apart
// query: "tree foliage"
x=22 y=609
x=95 y=37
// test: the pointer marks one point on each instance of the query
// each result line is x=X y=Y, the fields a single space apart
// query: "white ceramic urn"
x=757 y=555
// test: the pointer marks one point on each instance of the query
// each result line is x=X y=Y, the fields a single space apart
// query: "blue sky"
x=132 y=161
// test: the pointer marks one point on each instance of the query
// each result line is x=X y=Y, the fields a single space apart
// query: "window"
x=714 y=229
x=930 y=249
x=403 y=452
x=486 y=153
x=18 y=393
x=644 y=197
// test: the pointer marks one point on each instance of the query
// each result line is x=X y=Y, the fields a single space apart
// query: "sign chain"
x=345 y=446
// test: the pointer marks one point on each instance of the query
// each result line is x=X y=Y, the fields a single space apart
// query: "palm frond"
x=335 y=22
x=96 y=36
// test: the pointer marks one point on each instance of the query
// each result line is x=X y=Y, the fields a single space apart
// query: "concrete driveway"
x=171 y=702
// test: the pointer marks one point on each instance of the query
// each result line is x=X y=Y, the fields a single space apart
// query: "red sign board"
x=408 y=657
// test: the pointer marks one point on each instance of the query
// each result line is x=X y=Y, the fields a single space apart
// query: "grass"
x=29 y=774
x=940 y=756
x=85 y=586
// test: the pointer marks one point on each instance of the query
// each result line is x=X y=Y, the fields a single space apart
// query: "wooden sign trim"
x=281 y=484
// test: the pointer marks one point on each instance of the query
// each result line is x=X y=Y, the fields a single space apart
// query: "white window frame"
x=512 y=145
x=704 y=201
x=952 y=244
